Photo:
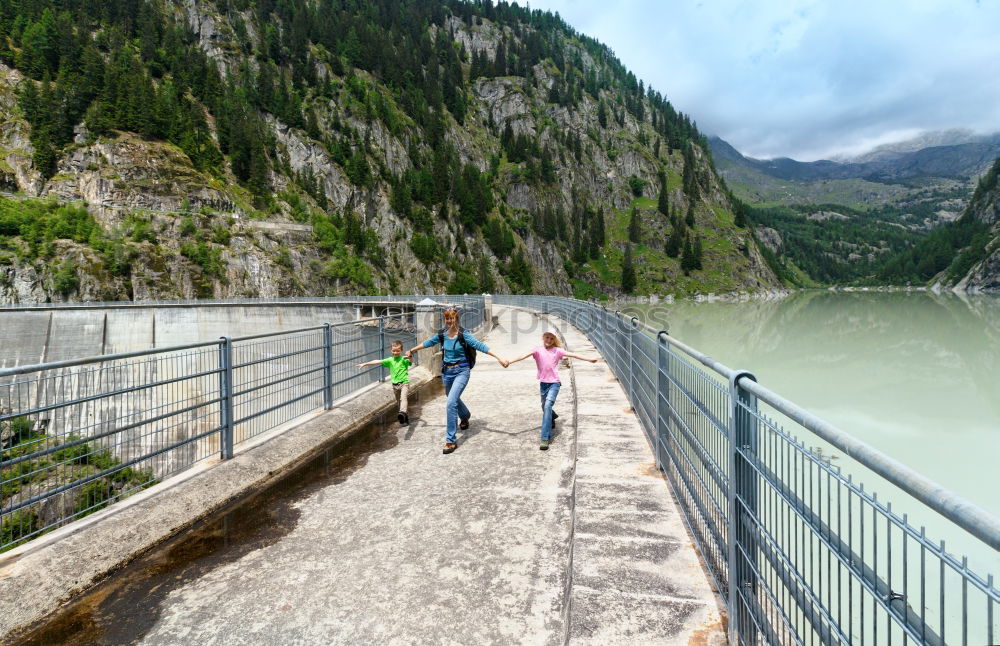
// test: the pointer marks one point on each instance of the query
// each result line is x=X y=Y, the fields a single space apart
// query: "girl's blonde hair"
x=555 y=336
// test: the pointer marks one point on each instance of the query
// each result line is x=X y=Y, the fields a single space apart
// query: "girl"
x=547 y=357
x=455 y=372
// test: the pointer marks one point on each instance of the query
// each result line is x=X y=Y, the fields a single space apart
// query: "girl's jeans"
x=455 y=379
x=549 y=393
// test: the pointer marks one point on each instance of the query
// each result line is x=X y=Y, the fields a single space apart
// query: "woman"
x=455 y=371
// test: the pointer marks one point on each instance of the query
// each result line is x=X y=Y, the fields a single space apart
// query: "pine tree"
x=597 y=234
x=500 y=61
x=44 y=157
x=740 y=211
x=486 y=282
x=697 y=252
x=634 y=227
x=519 y=274
x=628 y=271
x=663 y=203
x=688 y=262
x=674 y=242
x=689 y=217
x=690 y=174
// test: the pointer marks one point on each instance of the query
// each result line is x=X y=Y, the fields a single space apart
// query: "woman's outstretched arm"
x=503 y=362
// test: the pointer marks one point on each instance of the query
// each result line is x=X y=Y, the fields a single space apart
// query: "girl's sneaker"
x=544 y=445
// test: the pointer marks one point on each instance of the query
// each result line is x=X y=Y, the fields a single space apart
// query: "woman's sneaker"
x=449 y=448
x=544 y=445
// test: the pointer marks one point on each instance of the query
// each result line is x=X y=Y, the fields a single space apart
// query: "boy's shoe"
x=543 y=445
x=449 y=448
x=406 y=419
x=401 y=418
x=463 y=423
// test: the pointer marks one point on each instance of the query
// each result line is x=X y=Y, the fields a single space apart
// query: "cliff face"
x=977 y=266
x=984 y=276
x=342 y=208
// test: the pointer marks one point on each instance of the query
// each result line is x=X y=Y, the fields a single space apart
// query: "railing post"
x=742 y=509
x=226 y=397
x=616 y=344
x=662 y=393
x=381 y=342
x=633 y=330
x=327 y=366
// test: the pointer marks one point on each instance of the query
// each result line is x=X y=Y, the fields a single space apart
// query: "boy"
x=399 y=375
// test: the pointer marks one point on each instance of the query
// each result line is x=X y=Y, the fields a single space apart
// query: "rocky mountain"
x=181 y=149
x=976 y=268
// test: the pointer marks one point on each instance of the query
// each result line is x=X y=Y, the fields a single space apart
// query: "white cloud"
x=808 y=78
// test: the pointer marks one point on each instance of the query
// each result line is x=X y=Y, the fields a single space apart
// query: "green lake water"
x=914 y=374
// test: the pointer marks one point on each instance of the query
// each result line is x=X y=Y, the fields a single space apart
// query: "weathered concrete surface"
x=33 y=583
x=32 y=335
x=497 y=543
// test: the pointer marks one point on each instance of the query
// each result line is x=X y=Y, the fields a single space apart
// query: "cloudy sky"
x=808 y=79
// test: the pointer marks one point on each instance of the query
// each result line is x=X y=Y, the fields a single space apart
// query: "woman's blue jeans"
x=455 y=379
x=549 y=393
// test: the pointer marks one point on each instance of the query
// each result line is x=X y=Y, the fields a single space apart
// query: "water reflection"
x=914 y=374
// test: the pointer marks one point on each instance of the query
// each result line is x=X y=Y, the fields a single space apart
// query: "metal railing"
x=800 y=551
x=79 y=435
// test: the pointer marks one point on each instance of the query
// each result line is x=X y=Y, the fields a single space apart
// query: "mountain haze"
x=185 y=149
x=930 y=139
x=962 y=161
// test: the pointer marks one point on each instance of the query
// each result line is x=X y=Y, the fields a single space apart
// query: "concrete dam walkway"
x=497 y=543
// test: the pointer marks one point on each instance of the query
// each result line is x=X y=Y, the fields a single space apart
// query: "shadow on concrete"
x=127 y=605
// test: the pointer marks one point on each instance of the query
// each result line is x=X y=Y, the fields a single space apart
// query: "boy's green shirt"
x=397 y=366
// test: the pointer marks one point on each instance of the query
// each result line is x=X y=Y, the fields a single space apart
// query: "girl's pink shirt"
x=547 y=360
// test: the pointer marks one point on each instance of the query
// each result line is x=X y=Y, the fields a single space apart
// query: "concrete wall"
x=39 y=335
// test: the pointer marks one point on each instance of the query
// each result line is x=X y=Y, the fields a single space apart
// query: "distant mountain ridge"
x=957 y=161
x=931 y=139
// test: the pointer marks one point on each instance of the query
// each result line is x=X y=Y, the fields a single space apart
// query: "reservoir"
x=914 y=374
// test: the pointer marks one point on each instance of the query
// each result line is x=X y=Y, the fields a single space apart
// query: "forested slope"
x=230 y=148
